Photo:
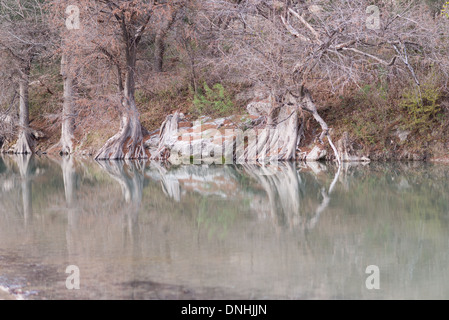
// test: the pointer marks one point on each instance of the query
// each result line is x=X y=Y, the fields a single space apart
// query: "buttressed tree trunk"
x=68 y=121
x=128 y=142
x=24 y=144
x=278 y=140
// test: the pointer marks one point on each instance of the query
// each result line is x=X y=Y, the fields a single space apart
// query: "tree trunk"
x=159 y=42
x=68 y=120
x=25 y=143
x=277 y=141
x=283 y=189
x=170 y=184
x=168 y=135
x=69 y=177
x=128 y=142
x=159 y=49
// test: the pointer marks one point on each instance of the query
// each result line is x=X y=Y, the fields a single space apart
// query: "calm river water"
x=140 y=230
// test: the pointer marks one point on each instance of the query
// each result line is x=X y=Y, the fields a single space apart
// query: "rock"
x=260 y=107
x=317 y=153
x=315 y=9
x=402 y=134
x=244 y=95
x=223 y=139
x=38 y=134
x=365 y=159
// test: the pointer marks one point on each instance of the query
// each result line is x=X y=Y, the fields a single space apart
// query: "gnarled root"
x=66 y=145
x=25 y=143
x=126 y=144
x=309 y=105
x=276 y=142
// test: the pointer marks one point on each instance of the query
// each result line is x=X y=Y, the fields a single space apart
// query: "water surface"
x=141 y=230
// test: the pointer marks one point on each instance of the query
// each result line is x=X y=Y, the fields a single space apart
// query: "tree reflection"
x=292 y=195
x=25 y=165
x=130 y=176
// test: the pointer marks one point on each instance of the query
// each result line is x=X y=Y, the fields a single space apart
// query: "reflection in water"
x=130 y=177
x=153 y=231
x=24 y=164
x=69 y=176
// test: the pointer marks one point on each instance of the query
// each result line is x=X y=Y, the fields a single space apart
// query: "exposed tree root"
x=276 y=142
x=308 y=105
x=24 y=144
x=126 y=144
x=168 y=131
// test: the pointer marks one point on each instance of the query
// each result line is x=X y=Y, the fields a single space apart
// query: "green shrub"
x=215 y=100
x=421 y=105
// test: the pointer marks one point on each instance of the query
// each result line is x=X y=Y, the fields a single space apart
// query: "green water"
x=143 y=230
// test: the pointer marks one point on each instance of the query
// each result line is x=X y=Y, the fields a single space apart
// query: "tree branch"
x=308 y=26
x=293 y=31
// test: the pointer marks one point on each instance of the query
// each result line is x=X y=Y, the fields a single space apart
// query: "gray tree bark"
x=25 y=143
x=68 y=120
x=159 y=49
x=128 y=142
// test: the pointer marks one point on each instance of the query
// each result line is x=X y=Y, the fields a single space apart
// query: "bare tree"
x=23 y=37
x=68 y=112
x=291 y=48
x=164 y=22
x=112 y=31
x=8 y=100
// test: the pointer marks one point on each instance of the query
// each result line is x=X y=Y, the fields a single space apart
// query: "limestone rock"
x=402 y=134
x=317 y=153
x=260 y=107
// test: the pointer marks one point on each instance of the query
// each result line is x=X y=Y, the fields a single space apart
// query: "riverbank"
x=365 y=123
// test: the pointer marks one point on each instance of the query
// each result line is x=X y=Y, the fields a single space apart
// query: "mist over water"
x=146 y=230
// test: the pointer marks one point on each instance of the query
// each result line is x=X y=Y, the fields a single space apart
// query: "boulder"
x=317 y=153
x=260 y=107
x=402 y=134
